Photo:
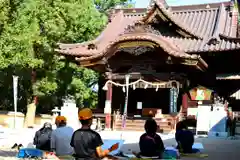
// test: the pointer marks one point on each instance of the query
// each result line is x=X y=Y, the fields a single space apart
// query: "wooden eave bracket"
x=198 y=62
x=202 y=65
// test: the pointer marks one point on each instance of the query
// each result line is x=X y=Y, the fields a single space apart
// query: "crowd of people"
x=85 y=143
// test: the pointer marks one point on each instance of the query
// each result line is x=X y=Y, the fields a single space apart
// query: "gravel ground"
x=217 y=149
x=7 y=154
x=222 y=149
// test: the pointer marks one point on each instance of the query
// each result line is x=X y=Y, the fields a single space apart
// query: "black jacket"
x=42 y=139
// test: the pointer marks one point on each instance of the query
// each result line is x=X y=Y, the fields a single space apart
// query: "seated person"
x=151 y=144
x=61 y=137
x=184 y=138
x=86 y=142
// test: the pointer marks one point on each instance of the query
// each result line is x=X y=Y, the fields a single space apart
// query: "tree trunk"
x=31 y=108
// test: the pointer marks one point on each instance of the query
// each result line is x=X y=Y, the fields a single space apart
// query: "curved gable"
x=158 y=9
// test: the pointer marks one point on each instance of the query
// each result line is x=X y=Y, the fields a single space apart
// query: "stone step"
x=162 y=123
x=139 y=128
x=143 y=121
x=167 y=130
x=135 y=126
x=166 y=124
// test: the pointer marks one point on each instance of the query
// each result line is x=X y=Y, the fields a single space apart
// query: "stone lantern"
x=55 y=112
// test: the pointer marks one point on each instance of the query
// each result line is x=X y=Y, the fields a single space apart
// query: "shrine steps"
x=166 y=124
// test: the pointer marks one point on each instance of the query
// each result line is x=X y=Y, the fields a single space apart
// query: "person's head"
x=150 y=126
x=180 y=126
x=47 y=125
x=150 y=114
x=61 y=121
x=85 y=116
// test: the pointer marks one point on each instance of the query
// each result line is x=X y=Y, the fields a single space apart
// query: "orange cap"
x=60 y=119
x=150 y=112
x=85 y=114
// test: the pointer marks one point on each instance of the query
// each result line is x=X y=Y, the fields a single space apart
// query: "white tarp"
x=203 y=118
x=218 y=119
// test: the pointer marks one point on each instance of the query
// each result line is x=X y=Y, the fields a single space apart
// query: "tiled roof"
x=157 y=6
x=167 y=45
x=210 y=23
x=201 y=25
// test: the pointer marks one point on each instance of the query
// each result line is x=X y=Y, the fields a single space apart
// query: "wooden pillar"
x=184 y=102
x=184 y=105
x=108 y=107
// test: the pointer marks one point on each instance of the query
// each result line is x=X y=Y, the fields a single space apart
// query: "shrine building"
x=149 y=59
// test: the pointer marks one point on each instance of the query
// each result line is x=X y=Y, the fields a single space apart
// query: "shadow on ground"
x=7 y=153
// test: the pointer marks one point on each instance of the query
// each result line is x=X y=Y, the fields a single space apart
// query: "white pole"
x=127 y=91
x=127 y=77
x=15 y=92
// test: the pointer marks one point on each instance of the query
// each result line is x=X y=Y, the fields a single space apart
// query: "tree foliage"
x=29 y=33
x=104 y=5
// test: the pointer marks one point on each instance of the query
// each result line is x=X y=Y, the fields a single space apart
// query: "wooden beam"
x=121 y=63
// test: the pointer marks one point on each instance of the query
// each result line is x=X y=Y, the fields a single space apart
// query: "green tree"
x=29 y=32
x=104 y=5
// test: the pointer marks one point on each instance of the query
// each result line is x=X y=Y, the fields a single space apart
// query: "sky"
x=144 y=3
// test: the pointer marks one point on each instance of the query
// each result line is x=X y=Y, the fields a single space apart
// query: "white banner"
x=203 y=118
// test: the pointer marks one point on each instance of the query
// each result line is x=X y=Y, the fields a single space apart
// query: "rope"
x=138 y=81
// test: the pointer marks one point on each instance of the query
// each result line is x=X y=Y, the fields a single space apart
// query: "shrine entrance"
x=142 y=99
x=156 y=71
x=155 y=79
x=150 y=99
